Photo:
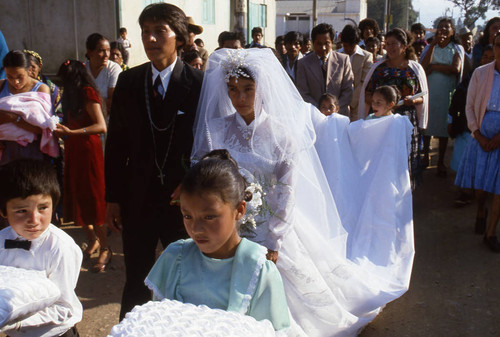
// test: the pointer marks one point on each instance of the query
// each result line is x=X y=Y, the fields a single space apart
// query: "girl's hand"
x=62 y=130
x=272 y=255
x=494 y=142
x=483 y=141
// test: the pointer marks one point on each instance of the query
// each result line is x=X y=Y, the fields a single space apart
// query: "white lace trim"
x=156 y=292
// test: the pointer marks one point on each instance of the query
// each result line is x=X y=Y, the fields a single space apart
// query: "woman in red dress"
x=84 y=161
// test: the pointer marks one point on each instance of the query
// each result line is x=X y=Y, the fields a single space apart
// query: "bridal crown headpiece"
x=233 y=64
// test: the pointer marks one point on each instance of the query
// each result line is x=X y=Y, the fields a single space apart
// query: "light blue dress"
x=441 y=88
x=480 y=169
x=247 y=283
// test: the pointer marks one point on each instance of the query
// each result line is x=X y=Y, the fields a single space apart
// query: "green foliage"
x=473 y=10
x=398 y=11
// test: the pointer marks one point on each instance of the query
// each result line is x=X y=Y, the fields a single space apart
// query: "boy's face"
x=328 y=107
x=160 y=43
x=29 y=217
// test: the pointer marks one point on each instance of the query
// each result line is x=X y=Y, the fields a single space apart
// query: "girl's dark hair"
x=93 y=40
x=327 y=95
x=389 y=92
x=217 y=173
x=33 y=56
x=246 y=73
x=369 y=23
x=485 y=39
x=172 y=15
x=75 y=77
x=191 y=55
x=16 y=59
x=119 y=46
x=452 y=24
x=26 y=177
x=405 y=38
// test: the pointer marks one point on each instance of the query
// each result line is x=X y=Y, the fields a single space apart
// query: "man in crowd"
x=148 y=146
x=257 y=37
x=325 y=71
x=293 y=43
x=361 y=62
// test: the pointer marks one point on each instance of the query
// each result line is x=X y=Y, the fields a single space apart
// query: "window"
x=257 y=17
x=208 y=12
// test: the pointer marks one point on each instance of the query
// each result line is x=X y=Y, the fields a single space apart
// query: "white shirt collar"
x=35 y=243
x=327 y=56
x=165 y=75
x=357 y=50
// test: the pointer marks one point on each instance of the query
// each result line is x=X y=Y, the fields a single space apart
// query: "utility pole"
x=240 y=17
x=387 y=16
x=315 y=13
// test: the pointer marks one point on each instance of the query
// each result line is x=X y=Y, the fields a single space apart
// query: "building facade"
x=57 y=29
x=297 y=15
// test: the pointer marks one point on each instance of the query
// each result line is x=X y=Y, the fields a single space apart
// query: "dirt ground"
x=454 y=289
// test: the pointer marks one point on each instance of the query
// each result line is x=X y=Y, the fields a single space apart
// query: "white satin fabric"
x=339 y=212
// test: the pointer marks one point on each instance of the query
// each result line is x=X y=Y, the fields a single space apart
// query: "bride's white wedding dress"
x=337 y=196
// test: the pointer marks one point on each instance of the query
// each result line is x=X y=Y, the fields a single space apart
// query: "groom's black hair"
x=172 y=15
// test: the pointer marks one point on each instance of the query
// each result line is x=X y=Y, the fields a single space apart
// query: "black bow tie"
x=9 y=244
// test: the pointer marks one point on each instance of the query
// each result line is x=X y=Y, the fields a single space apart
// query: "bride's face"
x=242 y=94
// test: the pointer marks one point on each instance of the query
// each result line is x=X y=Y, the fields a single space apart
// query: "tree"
x=398 y=11
x=474 y=9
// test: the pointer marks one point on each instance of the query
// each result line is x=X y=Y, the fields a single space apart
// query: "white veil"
x=285 y=104
x=332 y=290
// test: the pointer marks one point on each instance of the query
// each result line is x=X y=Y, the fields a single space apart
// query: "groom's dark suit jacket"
x=129 y=157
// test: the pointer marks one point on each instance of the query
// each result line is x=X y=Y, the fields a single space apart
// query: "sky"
x=431 y=9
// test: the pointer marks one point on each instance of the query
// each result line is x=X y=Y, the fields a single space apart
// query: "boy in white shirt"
x=29 y=189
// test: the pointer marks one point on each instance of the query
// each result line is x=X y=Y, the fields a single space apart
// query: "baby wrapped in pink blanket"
x=34 y=108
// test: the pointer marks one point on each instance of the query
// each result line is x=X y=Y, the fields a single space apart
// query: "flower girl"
x=216 y=267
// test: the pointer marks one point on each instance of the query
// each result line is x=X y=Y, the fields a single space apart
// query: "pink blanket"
x=34 y=108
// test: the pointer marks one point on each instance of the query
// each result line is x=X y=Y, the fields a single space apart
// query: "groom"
x=148 y=146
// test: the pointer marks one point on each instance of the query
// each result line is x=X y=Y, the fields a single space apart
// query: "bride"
x=334 y=286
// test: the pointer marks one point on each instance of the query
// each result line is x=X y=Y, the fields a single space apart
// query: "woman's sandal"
x=101 y=266
x=91 y=248
x=480 y=225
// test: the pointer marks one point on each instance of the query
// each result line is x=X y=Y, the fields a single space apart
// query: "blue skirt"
x=478 y=169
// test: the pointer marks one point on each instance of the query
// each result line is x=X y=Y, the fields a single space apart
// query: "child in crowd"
x=29 y=189
x=328 y=104
x=125 y=42
x=216 y=267
x=384 y=100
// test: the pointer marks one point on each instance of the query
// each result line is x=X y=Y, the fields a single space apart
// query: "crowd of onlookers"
x=335 y=71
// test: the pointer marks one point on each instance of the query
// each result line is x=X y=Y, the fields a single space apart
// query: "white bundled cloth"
x=343 y=224
x=169 y=318
x=24 y=292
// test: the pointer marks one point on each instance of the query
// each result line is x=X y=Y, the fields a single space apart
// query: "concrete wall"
x=351 y=9
x=56 y=29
